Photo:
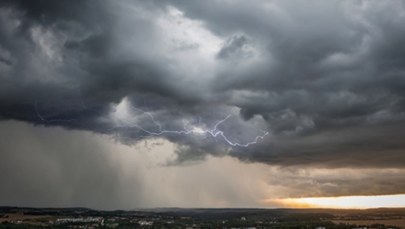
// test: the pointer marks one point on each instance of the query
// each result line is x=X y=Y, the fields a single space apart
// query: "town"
x=14 y=217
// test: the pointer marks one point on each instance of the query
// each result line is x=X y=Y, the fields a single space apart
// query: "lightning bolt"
x=198 y=129
x=213 y=132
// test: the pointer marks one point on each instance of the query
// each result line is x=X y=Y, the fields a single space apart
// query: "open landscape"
x=13 y=217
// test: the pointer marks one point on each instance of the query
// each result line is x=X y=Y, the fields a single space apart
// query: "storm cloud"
x=324 y=79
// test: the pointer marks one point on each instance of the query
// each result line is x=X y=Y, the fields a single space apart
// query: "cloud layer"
x=325 y=79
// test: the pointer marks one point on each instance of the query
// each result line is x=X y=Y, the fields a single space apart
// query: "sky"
x=125 y=104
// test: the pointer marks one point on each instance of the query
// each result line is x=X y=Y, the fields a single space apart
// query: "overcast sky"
x=210 y=103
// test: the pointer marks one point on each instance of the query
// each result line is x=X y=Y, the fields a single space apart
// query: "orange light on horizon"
x=344 y=202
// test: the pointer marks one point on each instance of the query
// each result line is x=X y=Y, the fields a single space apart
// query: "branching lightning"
x=198 y=129
x=214 y=132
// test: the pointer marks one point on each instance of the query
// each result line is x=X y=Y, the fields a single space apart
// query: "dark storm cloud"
x=326 y=78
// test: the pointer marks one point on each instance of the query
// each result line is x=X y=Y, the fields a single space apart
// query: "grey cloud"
x=375 y=146
x=234 y=47
x=325 y=78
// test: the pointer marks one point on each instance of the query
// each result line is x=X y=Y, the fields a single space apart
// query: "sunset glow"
x=344 y=202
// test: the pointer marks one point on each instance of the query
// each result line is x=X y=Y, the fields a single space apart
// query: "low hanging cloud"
x=324 y=79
